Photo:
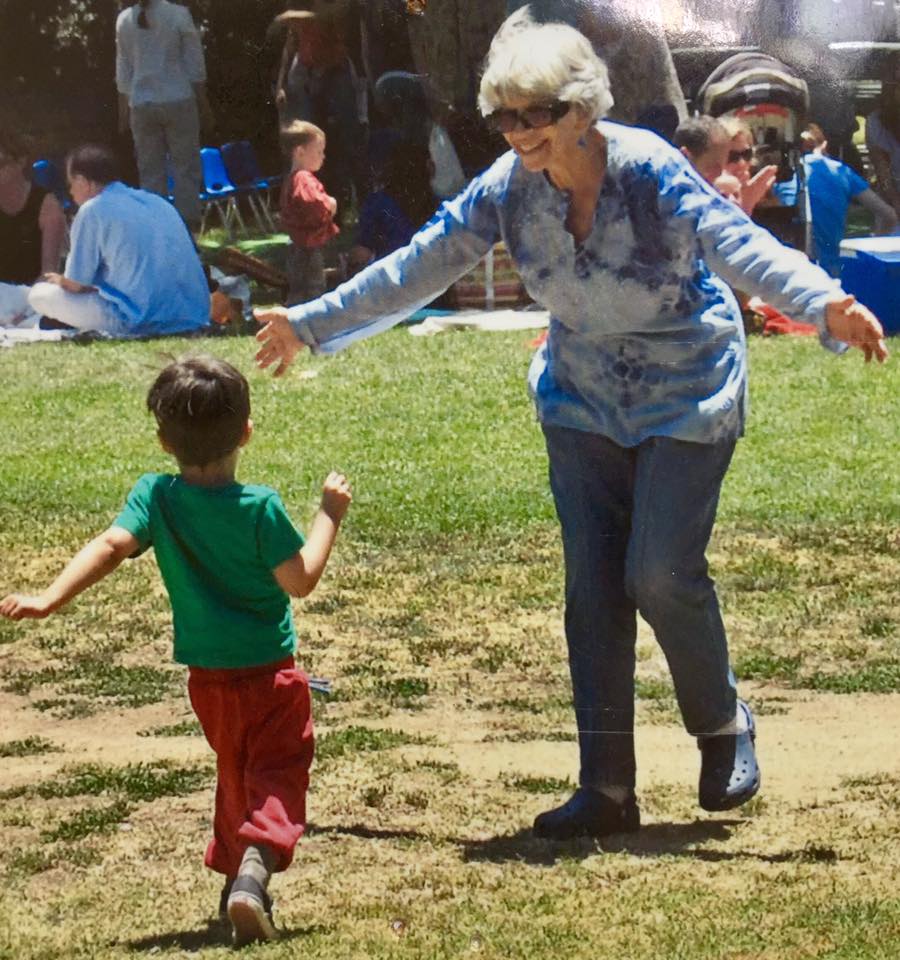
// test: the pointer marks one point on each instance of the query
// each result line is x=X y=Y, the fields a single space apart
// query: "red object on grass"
x=778 y=323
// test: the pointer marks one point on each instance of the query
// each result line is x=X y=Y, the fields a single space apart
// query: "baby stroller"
x=772 y=99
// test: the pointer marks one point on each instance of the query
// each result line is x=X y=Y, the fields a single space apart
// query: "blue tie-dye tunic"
x=645 y=338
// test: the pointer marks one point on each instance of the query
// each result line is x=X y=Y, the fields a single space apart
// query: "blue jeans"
x=635 y=525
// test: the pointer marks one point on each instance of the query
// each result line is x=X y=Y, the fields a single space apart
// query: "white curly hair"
x=542 y=62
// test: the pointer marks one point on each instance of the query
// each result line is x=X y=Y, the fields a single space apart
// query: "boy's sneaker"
x=250 y=912
x=588 y=813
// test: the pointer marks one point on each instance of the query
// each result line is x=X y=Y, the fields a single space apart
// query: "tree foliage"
x=57 y=67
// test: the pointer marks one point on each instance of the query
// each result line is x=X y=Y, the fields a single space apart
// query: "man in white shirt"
x=161 y=79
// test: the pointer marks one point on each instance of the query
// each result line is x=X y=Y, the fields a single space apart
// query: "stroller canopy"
x=746 y=79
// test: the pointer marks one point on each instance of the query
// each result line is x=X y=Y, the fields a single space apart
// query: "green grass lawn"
x=439 y=616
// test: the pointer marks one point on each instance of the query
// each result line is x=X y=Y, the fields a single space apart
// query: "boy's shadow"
x=216 y=933
x=653 y=840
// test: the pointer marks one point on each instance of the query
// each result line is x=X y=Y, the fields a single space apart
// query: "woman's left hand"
x=279 y=342
x=755 y=189
x=849 y=321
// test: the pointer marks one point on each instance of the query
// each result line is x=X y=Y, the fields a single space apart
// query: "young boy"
x=229 y=557
x=307 y=211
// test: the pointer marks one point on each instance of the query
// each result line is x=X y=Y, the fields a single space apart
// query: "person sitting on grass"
x=132 y=269
x=307 y=211
x=391 y=214
x=230 y=558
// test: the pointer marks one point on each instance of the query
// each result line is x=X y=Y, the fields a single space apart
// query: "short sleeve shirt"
x=216 y=548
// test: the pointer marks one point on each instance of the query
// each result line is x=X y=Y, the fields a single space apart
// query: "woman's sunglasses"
x=735 y=155
x=505 y=121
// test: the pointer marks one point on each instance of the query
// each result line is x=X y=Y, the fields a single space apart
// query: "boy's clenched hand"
x=336 y=496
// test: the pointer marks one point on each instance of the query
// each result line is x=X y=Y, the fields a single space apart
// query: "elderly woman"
x=641 y=386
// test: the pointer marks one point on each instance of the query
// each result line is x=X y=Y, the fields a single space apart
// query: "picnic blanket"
x=11 y=336
x=442 y=321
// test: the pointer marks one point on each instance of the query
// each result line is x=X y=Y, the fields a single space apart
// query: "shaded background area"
x=57 y=59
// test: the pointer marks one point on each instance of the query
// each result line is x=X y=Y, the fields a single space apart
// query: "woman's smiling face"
x=543 y=148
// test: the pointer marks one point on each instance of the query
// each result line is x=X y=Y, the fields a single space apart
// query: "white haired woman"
x=640 y=387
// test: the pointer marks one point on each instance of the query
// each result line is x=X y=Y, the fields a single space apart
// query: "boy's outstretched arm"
x=92 y=563
x=299 y=575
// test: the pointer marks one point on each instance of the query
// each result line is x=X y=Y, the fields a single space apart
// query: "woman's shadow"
x=653 y=840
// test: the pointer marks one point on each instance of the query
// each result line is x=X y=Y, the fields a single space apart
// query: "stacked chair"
x=242 y=166
x=218 y=192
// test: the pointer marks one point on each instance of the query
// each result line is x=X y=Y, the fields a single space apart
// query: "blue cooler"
x=870 y=270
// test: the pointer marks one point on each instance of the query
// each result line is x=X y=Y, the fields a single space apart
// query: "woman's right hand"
x=757 y=187
x=279 y=342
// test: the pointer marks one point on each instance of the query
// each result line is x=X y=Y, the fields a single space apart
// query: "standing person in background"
x=161 y=79
x=307 y=211
x=317 y=82
x=883 y=140
x=832 y=186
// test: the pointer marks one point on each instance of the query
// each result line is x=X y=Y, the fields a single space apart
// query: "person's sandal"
x=729 y=773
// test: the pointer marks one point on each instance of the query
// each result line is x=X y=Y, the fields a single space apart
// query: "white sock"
x=618 y=794
x=737 y=725
x=256 y=863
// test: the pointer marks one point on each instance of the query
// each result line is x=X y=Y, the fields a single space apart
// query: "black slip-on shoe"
x=588 y=813
x=729 y=773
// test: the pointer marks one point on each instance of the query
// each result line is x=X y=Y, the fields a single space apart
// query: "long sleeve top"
x=159 y=64
x=306 y=214
x=645 y=336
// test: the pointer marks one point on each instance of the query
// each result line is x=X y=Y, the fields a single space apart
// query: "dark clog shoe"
x=729 y=773
x=588 y=813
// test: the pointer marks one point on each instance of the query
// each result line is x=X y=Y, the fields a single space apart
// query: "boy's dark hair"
x=696 y=133
x=201 y=406
x=142 y=20
x=93 y=162
x=299 y=133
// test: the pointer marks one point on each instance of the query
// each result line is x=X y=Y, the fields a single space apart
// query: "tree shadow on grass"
x=216 y=933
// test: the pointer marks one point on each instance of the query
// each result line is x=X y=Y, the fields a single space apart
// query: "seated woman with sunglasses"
x=738 y=164
x=640 y=386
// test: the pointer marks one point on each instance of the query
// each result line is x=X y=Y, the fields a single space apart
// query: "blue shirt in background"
x=831 y=186
x=645 y=338
x=134 y=247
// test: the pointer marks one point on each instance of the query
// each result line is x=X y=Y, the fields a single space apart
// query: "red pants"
x=258 y=722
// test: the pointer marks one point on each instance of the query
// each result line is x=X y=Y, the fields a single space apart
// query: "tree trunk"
x=450 y=40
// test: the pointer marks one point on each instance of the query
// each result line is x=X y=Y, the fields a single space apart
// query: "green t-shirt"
x=216 y=548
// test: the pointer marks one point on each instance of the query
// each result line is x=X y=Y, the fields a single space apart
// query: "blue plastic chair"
x=218 y=191
x=243 y=168
x=47 y=175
